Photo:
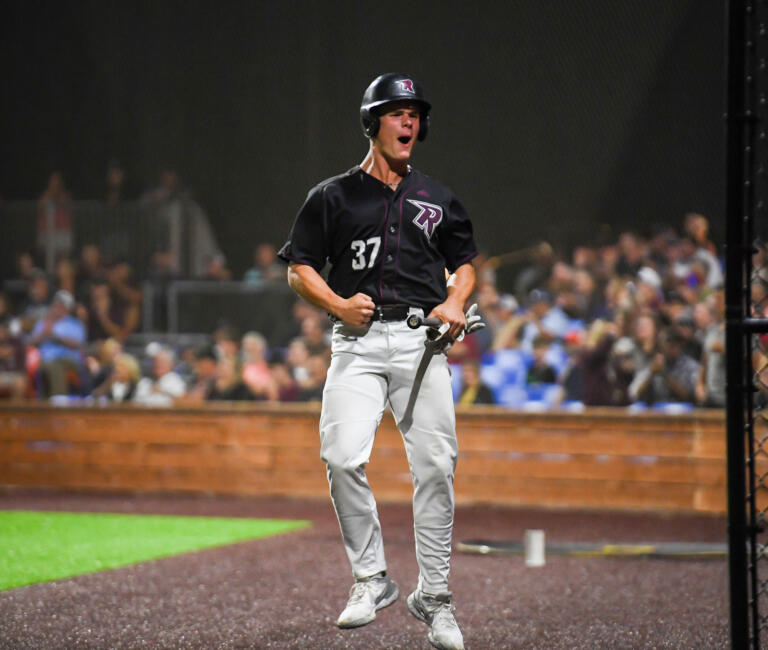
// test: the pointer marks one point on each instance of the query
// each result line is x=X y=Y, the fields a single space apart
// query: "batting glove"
x=474 y=322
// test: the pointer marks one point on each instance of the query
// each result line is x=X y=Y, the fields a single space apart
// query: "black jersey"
x=392 y=246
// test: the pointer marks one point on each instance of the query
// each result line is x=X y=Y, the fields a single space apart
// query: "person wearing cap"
x=544 y=319
x=60 y=338
x=670 y=376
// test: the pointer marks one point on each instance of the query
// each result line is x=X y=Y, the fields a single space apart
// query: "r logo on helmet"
x=407 y=86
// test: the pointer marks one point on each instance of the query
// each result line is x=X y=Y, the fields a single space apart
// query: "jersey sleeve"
x=307 y=242
x=457 y=244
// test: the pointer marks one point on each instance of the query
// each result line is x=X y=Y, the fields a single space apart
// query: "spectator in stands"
x=540 y=372
x=60 y=337
x=227 y=342
x=473 y=391
x=607 y=259
x=560 y=281
x=588 y=302
x=584 y=258
x=228 y=385
x=631 y=255
x=34 y=307
x=594 y=364
x=122 y=382
x=301 y=310
x=108 y=314
x=664 y=238
x=204 y=375
x=696 y=265
x=121 y=281
x=314 y=337
x=543 y=319
x=674 y=308
x=89 y=267
x=645 y=336
x=297 y=358
x=670 y=376
x=622 y=371
x=697 y=228
x=710 y=386
x=54 y=218
x=685 y=327
x=571 y=378
x=101 y=361
x=508 y=322
x=165 y=386
x=257 y=374
x=311 y=389
x=65 y=274
x=13 y=376
x=216 y=269
x=25 y=266
x=266 y=267
x=496 y=310
x=124 y=298
x=648 y=294
x=285 y=384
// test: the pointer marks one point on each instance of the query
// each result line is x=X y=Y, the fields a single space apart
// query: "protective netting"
x=756 y=402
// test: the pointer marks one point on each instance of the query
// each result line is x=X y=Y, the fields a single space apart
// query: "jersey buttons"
x=389 y=258
x=393 y=229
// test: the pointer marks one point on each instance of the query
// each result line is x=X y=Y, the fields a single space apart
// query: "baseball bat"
x=414 y=321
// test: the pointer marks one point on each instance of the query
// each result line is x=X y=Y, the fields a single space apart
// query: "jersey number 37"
x=361 y=248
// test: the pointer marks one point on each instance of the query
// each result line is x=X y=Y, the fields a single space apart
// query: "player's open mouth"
x=405 y=139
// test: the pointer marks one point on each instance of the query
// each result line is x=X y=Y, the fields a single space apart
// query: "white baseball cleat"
x=437 y=612
x=366 y=597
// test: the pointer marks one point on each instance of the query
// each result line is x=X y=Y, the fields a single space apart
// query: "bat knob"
x=413 y=321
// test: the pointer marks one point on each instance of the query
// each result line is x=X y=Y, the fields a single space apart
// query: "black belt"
x=385 y=313
x=390 y=312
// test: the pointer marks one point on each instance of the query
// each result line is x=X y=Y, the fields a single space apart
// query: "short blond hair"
x=130 y=363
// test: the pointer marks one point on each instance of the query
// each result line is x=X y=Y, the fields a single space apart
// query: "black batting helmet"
x=392 y=87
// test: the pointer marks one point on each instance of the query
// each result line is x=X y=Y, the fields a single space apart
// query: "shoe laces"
x=359 y=591
x=443 y=615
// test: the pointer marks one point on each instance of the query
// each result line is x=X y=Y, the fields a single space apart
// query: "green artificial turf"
x=42 y=546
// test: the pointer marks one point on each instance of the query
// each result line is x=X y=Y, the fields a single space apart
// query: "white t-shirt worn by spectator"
x=161 y=392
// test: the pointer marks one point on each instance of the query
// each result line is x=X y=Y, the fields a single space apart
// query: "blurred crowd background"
x=579 y=136
x=143 y=307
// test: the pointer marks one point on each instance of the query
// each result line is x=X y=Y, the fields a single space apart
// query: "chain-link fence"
x=747 y=320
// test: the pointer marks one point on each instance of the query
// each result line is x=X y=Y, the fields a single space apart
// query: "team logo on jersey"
x=428 y=217
x=407 y=86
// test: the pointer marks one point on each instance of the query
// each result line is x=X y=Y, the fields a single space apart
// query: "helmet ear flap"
x=423 y=127
x=370 y=122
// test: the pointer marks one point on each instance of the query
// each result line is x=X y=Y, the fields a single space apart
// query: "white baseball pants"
x=371 y=367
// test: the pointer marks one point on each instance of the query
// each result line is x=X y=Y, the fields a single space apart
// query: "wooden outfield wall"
x=597 y=459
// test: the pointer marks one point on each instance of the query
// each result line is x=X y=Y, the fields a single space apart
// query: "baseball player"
x=389 y=233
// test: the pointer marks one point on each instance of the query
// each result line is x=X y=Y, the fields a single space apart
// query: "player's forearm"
x=461 y=285
x=309 y=284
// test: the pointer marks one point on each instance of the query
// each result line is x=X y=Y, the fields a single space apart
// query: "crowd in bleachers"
x=639 y=322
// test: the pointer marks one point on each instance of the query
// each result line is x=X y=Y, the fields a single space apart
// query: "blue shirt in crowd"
x=68 y=327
